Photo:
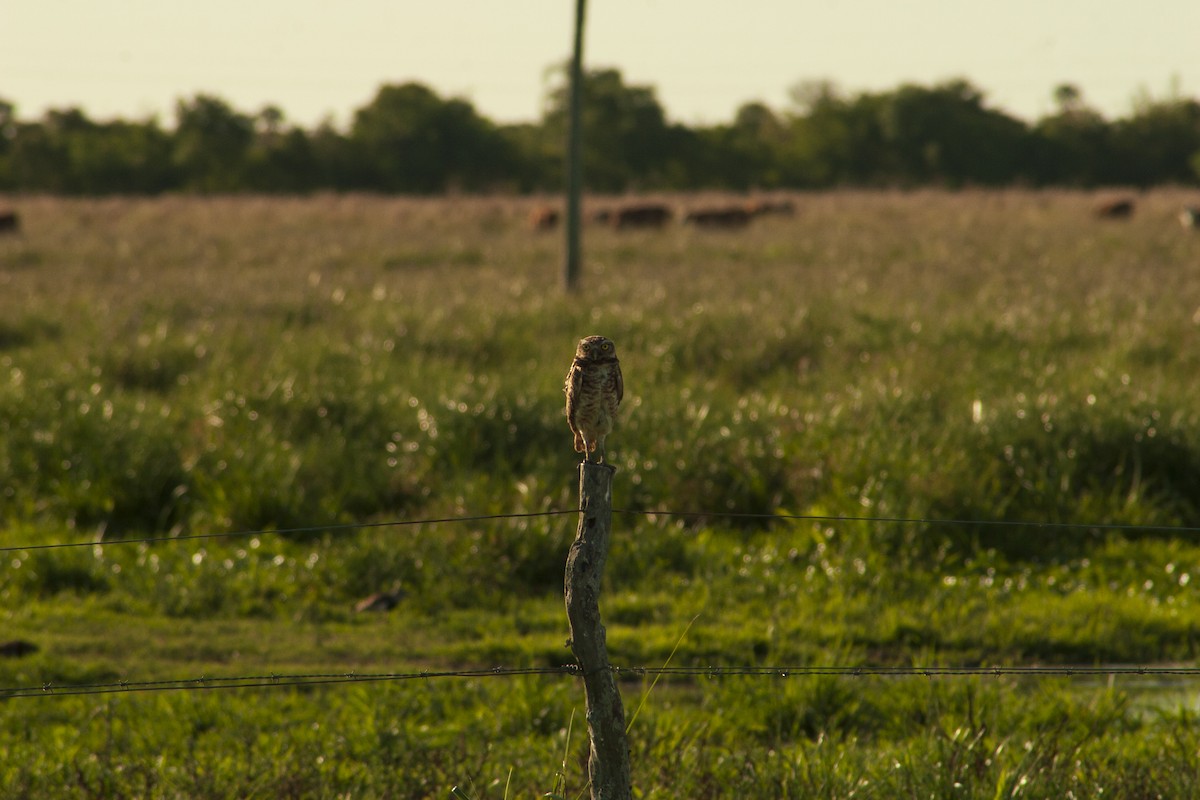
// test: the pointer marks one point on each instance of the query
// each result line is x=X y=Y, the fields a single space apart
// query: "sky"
x=319 y=59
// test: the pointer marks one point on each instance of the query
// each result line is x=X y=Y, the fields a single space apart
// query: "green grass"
x=293 y=368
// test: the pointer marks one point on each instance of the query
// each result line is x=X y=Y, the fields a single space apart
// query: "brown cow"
x=543 y=218
x=763 y=207
x=9 y=222
x=641 y=215
x=1121 y=208
x=1189 y=217
x=381 y=601
x=727 y=217
x=17 y=648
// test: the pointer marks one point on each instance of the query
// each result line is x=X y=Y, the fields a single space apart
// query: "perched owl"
x=594 y=390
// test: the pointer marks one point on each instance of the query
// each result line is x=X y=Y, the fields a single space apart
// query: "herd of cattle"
x=657 y=215
x=1120 y=208
x=732 y=215
x=738 y=215
x=1123 y=207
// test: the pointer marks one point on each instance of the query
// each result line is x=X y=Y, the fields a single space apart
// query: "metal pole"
x=571 y=264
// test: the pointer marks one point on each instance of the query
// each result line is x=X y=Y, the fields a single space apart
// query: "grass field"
x=889 y=369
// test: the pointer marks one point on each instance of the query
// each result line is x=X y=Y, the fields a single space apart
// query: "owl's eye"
x=605 y=346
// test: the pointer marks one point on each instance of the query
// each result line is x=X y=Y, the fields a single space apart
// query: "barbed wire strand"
x=288 y=531
x=933 y=521
x=209 y=683
x=821 y=518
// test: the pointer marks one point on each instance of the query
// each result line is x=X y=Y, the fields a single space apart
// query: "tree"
x=833 y=140
x=946 y=135
x=8 y=131
x=627 y=141
x=211 y=144
x=37 y=160
x=1071 y=146
x=121 y=157
x=1158 y=144
x=748 y=151
x=417 y=142
x=281 y=158
x=538 y=159
x=8 y=122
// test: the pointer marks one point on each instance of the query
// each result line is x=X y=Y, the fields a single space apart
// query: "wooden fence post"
x=608 y=761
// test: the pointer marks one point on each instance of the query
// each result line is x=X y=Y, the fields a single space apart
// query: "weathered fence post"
x=608 y=762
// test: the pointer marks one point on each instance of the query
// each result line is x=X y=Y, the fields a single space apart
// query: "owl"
x=594 y=389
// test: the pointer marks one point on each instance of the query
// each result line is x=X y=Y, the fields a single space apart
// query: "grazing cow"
x=1115 y=209
x=730 y=217
x=380 y=601
x=782 y=208
x=641 y=215
x=543 y=218
x=9 y=222
x=17 y=648
x=1189 y=217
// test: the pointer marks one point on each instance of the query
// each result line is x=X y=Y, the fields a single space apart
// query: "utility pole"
x=571 y=264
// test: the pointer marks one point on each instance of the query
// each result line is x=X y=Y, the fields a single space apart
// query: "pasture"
x=932 y=429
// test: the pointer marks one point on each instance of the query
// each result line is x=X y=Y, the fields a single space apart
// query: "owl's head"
x=593 y=348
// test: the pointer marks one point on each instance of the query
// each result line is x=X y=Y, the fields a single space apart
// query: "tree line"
x=408 y=139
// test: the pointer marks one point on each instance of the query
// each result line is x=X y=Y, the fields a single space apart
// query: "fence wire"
x=272 y=680
x=333 y=528
x=699 y=515
x=210 y=683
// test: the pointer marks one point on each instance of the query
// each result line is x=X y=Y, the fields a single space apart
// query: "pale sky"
x=318 y=58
